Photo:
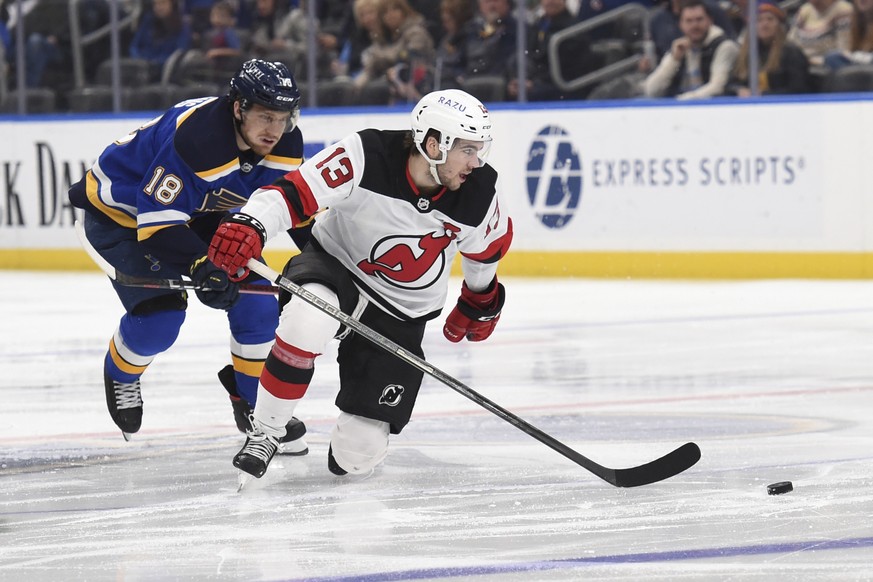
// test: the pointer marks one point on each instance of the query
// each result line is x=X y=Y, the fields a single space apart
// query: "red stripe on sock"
x=283 y=390
x=292 y=355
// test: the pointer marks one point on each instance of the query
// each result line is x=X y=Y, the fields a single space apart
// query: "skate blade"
x=243 y=478
x=295 y=448
x=127 y=435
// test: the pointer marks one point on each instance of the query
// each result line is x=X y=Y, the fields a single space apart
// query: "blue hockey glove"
x=215 y=290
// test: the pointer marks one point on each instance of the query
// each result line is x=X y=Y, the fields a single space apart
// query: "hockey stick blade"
x=662 y=468
x=153 y=283
x=665 y=467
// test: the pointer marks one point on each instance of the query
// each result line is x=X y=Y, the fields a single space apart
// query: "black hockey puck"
x=779 y=488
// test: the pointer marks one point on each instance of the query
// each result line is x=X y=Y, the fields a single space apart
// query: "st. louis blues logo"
x=554 y=177
x=221 y=200
x=391 y=395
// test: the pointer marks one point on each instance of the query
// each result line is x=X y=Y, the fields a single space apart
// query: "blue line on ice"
x=638 y=558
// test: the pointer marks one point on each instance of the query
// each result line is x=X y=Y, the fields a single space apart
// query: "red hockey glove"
x=476 y=314
x=239 y=238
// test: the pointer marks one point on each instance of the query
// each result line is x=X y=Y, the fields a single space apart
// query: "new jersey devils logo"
x=391 y=395
x=410 y=262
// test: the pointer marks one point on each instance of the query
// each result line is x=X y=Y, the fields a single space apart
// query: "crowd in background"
x=394 y=51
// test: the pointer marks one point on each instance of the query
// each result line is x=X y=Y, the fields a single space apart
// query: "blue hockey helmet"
x=269 y=84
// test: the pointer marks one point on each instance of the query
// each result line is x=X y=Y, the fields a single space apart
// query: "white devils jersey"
x=397 y=243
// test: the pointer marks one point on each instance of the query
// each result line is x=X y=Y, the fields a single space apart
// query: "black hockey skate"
x=124 y=401
x=241 y=408
x=256 y=454
x=332 y=465
x=291 y=444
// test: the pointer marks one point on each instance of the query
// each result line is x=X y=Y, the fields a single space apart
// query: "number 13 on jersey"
x=336 y=169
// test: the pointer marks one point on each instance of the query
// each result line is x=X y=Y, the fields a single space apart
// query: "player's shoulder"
x=484 y=178
x=381 y=138
x=384 y=154
x=205 y=138
x=470 y=204
x=480 y=185
x=385 y=143
x=384 y=149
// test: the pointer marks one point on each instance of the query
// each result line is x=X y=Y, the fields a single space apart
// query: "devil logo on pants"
x=391 y=395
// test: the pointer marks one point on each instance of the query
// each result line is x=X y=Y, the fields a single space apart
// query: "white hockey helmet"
x=455 y=115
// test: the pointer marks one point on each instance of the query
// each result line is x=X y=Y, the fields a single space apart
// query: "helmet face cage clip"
x=270 y=85
x=455 y=115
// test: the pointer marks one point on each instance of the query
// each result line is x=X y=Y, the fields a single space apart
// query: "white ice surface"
x=774 y=381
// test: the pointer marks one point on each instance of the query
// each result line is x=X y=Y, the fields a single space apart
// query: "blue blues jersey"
x=177 y=168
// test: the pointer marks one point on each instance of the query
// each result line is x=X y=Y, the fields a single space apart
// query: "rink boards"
x=718 y=189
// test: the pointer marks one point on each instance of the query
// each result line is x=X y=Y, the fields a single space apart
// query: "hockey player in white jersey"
x=397 y=206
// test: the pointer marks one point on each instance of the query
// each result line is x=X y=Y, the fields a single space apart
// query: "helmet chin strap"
x=432 y=163
x=433 y=171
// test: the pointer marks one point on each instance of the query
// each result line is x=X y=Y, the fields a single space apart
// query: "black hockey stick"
x=667 y=466
x=153 y=283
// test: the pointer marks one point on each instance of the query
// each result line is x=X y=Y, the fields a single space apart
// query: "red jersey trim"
x=415 y=188
x=496 y=250
x=304 y=193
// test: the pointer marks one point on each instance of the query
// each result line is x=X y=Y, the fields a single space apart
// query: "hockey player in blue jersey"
x=153 y=200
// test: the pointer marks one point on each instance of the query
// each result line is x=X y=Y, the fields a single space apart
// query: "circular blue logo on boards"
x=554 y=177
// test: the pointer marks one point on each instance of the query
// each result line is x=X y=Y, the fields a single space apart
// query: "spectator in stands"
x=48 y=48
x=490 y=39
x=335 y=23
x=699 y=63
x=220 y=40
x=292 y=39
x=821 y=27
x=412 y=75
x=430 y=11
x=454 y=15
x=244 y=13
x=161 y=32
x=266 y=21
x=664 y=28
x=409 y=46
x=199 y=15
x=368 y=30
x=574 y=55
x=220 y=43
x=42 y=51
x=782 y=66
x=860 y=39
